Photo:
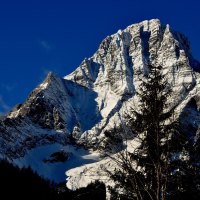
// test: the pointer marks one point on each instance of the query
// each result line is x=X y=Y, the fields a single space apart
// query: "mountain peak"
x=96 y=96
x=52 y=75
x=128 y=52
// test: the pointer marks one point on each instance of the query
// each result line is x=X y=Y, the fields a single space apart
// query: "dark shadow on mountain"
x=189 y=118
x=129 y=62
x=83 y=102
x=185 y=45
x=194 y=64
x=145 y=35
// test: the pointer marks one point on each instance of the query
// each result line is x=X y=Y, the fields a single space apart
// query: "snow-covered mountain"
x=63 y=114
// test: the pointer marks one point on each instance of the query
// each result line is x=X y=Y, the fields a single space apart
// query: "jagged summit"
x=51 y=76
x=132 y=48
x=84 y=104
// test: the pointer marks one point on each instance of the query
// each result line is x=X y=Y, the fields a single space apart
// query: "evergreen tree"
x=151 y=171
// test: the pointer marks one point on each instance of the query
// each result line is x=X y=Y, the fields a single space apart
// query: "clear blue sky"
x=37 y=36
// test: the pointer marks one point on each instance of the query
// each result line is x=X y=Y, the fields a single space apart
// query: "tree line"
x=24 y=183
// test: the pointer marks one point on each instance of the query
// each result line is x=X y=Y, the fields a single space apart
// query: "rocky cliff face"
x=93 y=99
x=115 y=70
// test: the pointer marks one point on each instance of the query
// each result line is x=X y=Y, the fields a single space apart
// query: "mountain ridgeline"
x=79 y=109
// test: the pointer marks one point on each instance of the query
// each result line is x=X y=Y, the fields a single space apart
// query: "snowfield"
x=55 y=171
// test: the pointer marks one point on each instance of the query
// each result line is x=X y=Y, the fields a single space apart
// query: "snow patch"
x=55 y=171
